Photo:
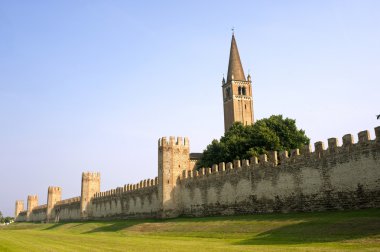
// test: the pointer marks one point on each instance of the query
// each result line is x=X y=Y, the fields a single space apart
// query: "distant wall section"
x=68 y=209
x=131 y=201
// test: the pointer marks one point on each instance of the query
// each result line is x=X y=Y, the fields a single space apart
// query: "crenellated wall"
x=38 y=213
x=131 y=201
x=68 y=209
x=22 y=216
x=338 y=177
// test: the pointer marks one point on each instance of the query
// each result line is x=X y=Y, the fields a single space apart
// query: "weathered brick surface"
x=90 y=186
x=68 y=209
x=38 y=214
x=22 y=216
x=19 y=207
x=54 y=196
x=137 y=203
x=339 y=178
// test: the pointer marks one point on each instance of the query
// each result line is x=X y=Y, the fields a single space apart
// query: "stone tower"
x=237 y=91
x=32 y=203
x=19 y=207
x=173 y=158
x=54 y=195
x=90 y=186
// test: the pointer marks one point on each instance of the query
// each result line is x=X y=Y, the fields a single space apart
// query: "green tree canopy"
x=243 y=142
x=8 y=219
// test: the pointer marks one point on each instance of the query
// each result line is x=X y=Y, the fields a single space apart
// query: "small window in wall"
x=228 y=92
x=239 y=90
x=245 y=106
x=243 y=91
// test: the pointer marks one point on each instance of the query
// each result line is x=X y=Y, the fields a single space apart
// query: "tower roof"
x=234 y=65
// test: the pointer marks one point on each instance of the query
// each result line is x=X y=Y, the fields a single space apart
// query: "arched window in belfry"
x=239 y=90
x=243 y=90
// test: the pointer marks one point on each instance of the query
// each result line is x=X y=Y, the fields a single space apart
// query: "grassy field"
x=328 y=231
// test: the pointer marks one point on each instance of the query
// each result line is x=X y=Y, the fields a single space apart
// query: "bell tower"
x=237 y=91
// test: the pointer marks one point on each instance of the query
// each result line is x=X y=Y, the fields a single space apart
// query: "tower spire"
x=235 y=67
x=237 y=92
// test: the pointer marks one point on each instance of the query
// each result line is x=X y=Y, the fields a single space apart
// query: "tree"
x=8 y=219
x=243 y=142
x=1 y=217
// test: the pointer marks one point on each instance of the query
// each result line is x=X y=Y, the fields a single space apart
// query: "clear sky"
x=92 y=85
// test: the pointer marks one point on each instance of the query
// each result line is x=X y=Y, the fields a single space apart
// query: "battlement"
x=91 y=175
x=294 y=156
x=163 y=142
x=143 y=184
x=40 y=207
x=52 y=189
x=90 y=186
x=19 y=207
x=68 y=201
x=32 y=197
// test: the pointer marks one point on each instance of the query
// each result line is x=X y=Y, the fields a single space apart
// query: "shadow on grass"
x=106 y=225
x=317 y=231
x=323 y=215
x=57 y=225
x=117 y=225
x=317 y=227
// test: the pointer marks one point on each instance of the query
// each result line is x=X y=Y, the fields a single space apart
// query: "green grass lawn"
x=327 y=231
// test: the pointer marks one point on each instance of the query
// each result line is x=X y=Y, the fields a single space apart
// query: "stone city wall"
x=68 y=209
x=38 y=213
x=340 y=177
x=130 y=201
x=22 y=216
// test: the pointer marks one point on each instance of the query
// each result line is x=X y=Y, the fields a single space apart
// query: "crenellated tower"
x=90 y=186
x=173 y=158
x=32 y=203
x=19 y=207
x=54 y=195
x=237 y=92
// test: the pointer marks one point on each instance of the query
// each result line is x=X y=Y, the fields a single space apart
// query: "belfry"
x=237 y=91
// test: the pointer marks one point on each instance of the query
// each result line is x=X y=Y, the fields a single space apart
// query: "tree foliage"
x=8 y=219
x=243 y=142
x=5 y=219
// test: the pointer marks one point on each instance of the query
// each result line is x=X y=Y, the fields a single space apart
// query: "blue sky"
x=92 y=85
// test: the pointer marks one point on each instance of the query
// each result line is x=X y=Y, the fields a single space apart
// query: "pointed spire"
x=235 y=69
